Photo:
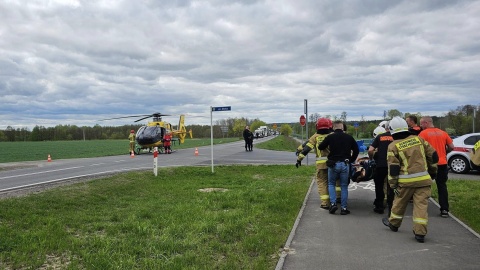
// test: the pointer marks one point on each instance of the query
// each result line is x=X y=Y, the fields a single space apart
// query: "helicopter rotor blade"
x=131 y=116
x=142 y=118
x=159 y=114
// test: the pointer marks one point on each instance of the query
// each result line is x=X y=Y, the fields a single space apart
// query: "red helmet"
x=324 y=123
x=132 y=131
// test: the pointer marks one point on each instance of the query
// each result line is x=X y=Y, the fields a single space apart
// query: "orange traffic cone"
x=132 y=155
x=196 y=151
x=49 y=159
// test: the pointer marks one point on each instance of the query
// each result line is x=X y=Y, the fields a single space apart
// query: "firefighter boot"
x=388 y=224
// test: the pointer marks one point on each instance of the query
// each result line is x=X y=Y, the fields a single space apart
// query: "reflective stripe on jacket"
x=414 y=158
x=312 y=143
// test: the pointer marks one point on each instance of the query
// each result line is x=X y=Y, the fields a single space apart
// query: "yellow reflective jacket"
x=414 y=158
x=312 y=144
x=131 y=137
x=475 y=155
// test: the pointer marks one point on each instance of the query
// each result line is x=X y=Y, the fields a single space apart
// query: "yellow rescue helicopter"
x=150 y=136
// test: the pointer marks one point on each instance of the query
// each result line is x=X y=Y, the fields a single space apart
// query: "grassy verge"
x=30 y=151
x=463 y=198
x=280 y=143
x=138 y=221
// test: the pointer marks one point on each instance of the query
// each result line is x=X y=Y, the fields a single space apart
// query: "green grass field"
x=139 y=221
x=31 y=151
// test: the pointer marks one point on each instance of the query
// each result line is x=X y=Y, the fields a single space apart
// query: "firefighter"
x=475 y=155
x=324 y=127
x=167 y=141
x=131 y=138
x=377 y=131
x=412 y=164
x=378 y=152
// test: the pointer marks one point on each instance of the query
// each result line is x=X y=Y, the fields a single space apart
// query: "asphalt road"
x=43 y=172
x=29 y=174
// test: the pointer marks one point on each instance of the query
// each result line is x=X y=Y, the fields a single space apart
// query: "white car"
x=459 y=159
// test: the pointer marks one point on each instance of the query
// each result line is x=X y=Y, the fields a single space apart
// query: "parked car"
x=459 y=159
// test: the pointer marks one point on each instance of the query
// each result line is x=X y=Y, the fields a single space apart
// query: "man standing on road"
x=411 y=168
x=324 y=127
x=442 y=143
x=343 y=151
x=248 y=137
x=378 y=152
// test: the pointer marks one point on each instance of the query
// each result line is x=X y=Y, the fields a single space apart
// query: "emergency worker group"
x=405 y=158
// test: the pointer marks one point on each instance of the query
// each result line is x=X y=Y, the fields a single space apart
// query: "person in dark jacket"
x=378 y=152
x=248 y=137
x=343 y=151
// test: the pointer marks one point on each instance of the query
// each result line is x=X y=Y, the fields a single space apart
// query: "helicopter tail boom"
x=182 y=130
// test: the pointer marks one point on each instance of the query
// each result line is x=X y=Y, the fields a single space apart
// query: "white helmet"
x=378 y=130
x=398 y=124
x=383 y=124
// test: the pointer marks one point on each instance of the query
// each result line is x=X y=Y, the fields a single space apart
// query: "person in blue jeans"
x=343 y=151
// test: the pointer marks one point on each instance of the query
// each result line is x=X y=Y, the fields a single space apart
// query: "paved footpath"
x=320 y=240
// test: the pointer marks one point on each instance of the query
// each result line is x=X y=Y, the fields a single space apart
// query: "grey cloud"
x=79 y=60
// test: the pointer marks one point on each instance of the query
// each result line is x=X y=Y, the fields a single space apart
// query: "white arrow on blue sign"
x=219 y=109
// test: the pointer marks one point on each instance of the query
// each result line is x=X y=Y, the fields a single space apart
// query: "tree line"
x=459 y=121
x=455 y=122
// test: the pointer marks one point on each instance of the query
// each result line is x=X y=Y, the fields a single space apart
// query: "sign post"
x=155 y=156
x=473 y=121
x=215 y=109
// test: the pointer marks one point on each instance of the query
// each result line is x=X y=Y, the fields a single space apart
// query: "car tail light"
x=461 y=149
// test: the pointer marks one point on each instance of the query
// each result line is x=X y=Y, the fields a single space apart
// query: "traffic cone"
x=49 y=159
x=196 y=151
x=132 y=155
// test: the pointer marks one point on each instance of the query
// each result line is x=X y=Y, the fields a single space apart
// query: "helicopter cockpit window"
x=150 y=134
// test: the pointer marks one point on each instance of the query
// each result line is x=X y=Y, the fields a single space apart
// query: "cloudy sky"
x=76 y=62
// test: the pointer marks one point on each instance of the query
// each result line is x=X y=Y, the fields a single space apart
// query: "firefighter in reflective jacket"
x=412 y=164
x=324 y=127
x=167 y=141
x=131 y=139
x=475 y=155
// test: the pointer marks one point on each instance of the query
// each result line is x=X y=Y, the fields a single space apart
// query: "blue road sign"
x=220 y=109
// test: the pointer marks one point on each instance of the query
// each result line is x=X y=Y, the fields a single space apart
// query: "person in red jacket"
x=442 y=143
x=167 y=140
